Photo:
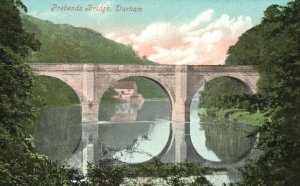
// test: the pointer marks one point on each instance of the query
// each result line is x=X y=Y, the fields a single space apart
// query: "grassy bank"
x=237 y=115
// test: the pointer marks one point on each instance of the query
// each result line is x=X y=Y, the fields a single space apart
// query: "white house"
x=125 y=90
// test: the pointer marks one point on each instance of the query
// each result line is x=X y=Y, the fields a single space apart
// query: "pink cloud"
x=201 y=41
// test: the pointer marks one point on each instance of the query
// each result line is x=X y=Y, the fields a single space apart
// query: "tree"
x=274 y=46
x=19 y=164
x=16 y=77
x=217 y=91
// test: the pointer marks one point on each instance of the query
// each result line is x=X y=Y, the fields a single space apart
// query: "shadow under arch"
x=246 y=87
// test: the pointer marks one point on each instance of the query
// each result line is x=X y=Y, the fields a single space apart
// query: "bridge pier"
x=179 y=140
x=90 y=145
x=89 y=102
x=180 y=148
x=179 y=110
x=176 y=148
x=89 y=112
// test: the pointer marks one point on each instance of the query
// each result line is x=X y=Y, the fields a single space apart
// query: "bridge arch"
x=247 y=82
x=67 y=83
x=248 y=86
x=168 y=91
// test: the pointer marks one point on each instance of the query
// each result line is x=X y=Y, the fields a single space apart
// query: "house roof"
x=125 y=85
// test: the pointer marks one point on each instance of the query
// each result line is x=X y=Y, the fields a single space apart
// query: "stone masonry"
x=90 y=81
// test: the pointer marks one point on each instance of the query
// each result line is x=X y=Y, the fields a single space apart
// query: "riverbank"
x=214 y=179
x=236 y=115
x=156 y=173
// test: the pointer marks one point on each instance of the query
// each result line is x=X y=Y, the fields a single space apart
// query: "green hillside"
x=69 y=44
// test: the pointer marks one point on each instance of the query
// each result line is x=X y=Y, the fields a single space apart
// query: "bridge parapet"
x=135 y=68
x=57 y=67
x=221 y=68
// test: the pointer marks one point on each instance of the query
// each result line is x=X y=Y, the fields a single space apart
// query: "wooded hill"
x=62 y=43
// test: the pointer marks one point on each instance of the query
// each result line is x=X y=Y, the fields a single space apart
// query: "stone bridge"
x=181 y=83
x=90 y=81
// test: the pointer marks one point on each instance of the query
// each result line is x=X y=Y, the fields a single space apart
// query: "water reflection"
x=139 y=144
x=58 y=132
x=62 y=137
x=198 y=137
x=125 y=112
x=149 y=110
x=219 y=140
x=141 y=132
x=229 y=141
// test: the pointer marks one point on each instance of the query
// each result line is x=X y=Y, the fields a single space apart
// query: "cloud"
x=110 y=35
x=202 y=18
x=201 y=41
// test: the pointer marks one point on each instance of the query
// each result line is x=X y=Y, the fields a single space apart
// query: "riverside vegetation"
x=221 y=98
x=273 y=48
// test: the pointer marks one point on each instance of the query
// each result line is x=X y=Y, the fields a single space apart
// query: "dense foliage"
x=217 y=90
x=19 y=164
x=223 y=98
x=156 y=173
x=274 y=47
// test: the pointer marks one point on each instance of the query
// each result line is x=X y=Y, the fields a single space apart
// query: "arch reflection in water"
x=58 y=132
x=132 y=143
x=219 y=141
x=135 y=141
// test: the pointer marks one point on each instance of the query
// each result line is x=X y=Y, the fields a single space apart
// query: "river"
x=135 y=134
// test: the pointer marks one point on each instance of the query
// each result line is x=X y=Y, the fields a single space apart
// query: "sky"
x=165 y=31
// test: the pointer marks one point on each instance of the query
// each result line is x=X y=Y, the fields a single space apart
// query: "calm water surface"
x=136 y=133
